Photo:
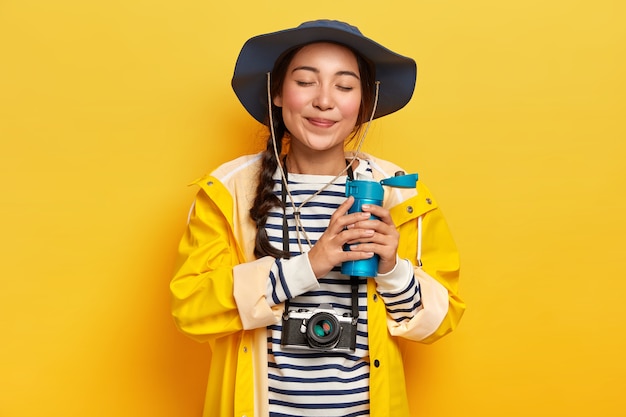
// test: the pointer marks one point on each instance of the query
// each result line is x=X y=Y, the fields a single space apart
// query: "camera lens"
x=323 y=330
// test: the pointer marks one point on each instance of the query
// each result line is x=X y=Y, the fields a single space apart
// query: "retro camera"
x=319 y=329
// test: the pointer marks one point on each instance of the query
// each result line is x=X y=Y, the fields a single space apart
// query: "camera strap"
x=354 y=280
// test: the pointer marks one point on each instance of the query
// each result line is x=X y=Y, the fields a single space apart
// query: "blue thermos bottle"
x=371 y=192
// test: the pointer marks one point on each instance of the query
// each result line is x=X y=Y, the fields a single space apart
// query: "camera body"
x=319 y=329
x=371 y=192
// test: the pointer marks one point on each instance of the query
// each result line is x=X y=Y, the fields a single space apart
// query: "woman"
x=259 y=274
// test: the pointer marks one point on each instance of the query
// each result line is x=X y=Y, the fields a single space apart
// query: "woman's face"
x=321 y=96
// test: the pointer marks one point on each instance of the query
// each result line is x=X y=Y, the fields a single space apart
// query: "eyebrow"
x=315 y=70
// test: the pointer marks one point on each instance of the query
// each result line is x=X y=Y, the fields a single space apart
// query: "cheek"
x=292 y=101
x=350 y=108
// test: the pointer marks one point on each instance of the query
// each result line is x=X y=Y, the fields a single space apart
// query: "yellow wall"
x=109 y=108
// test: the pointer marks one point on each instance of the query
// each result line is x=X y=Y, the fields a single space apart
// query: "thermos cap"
x=364 y=189
x=401 y=181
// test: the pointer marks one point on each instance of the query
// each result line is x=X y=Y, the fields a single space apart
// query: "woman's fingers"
x=366 y=236
x=384 y=241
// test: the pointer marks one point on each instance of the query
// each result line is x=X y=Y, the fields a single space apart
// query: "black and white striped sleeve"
x=289 y=278
x=400 y=291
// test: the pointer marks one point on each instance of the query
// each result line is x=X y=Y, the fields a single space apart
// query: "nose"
x=323 y=100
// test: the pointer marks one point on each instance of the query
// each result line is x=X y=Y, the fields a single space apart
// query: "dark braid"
x=265 y=199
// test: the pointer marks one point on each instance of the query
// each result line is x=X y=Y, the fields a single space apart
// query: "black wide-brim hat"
x=396 y=73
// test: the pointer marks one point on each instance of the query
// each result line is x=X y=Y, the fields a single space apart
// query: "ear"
x=278 y=101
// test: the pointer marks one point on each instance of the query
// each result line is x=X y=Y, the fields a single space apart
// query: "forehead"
x=325 y=53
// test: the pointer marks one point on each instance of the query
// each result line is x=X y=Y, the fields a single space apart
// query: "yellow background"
x=109 y=108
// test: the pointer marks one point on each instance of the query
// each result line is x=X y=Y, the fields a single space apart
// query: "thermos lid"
x=372 y=190
x=364 y=189
x=401 y=181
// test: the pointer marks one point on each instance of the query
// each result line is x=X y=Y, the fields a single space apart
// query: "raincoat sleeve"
x=438 y=277
x=203 y=305
x=215 y=290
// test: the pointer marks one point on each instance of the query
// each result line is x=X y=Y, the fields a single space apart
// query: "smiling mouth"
x=321 y=122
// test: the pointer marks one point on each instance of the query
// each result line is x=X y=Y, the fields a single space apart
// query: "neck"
x=316 y=163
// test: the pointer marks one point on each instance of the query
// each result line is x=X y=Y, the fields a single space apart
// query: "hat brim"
x=396 y=73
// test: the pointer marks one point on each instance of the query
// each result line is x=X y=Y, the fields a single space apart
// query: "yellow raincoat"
x=218 y=291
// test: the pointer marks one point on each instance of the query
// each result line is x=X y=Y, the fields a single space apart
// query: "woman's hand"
x=366 y=237
x=328 y=251
x=384 y=241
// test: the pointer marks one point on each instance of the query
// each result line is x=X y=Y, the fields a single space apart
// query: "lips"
x=321 y=122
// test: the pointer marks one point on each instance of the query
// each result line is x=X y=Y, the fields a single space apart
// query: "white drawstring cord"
x=419 y=241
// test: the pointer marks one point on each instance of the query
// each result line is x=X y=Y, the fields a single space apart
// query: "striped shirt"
x=312 y=382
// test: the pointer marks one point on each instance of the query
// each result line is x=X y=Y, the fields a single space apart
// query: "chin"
x=321 y=143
